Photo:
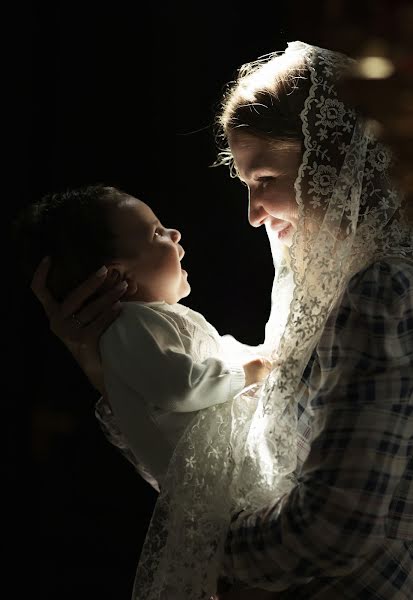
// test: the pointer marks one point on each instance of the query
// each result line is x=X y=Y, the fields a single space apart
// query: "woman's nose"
x=256 y=212
x=175 y=235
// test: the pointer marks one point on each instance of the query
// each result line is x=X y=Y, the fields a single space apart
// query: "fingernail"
x=122 y=285
x=46 y=259
x=101 y=272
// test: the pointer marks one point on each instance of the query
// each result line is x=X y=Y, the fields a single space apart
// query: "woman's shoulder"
x=385 y=284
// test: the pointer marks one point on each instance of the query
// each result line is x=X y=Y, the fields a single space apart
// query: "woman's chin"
x=285 y=237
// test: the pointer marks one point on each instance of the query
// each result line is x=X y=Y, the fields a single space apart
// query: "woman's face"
x=269 y=170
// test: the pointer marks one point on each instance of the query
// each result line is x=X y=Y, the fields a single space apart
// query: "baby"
x=162 y=362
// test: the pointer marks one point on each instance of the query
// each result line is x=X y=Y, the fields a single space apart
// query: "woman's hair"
x=265 y=100
x=73 y=228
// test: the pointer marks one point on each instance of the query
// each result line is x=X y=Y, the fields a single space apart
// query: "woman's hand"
x=256 y=370
x=77 y=323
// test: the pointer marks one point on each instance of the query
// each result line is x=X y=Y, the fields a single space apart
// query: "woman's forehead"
x=252 y=152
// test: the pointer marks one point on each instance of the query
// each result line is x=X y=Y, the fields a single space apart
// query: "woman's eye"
x=265 y=180
x=157 y=234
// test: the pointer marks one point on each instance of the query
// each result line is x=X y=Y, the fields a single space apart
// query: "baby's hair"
x=73 y=228
x=265 y=100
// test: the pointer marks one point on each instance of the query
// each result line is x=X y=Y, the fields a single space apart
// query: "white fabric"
x=162 y=364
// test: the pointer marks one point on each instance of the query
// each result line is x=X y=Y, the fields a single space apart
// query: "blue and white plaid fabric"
x=346 y=529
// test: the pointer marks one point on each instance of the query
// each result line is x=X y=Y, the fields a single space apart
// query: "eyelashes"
x=263 y=180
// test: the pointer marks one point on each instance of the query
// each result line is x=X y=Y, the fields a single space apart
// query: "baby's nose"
x=175 y=235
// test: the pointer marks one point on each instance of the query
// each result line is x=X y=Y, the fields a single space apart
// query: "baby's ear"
x=132 y=288
x=112 y=278
x=113 y=275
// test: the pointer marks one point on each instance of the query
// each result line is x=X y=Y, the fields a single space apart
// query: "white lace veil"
x=243 y=454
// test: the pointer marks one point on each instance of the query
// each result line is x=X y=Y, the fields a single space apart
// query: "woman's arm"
x=81 y=335
x=89 y=361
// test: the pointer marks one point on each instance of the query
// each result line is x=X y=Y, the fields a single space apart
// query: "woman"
x=341 y=328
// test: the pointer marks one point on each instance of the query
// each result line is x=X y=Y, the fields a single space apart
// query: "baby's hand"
x=256 y=370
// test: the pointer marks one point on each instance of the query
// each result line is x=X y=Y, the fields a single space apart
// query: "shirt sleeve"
x=145 y=350
x=361 y=444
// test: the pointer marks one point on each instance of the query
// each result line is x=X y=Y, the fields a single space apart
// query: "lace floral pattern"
x=243 y=454
x=207 y=480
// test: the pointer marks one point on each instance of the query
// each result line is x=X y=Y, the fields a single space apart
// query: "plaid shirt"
x=346 y=529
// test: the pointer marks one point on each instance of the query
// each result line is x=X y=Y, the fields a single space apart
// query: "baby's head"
x=83 y=228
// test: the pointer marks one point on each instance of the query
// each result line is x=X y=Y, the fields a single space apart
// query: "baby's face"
x=150 y=254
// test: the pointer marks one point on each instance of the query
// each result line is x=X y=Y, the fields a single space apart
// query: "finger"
x=94 y=309
x=78 y=296
x=39 y=288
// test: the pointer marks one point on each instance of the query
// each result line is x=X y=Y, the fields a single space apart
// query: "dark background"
x=122 y=93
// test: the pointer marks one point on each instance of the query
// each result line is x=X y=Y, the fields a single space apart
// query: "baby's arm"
x=145 y=350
